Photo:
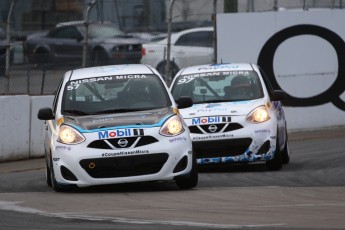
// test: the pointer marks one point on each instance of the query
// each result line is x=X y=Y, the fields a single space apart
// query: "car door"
x=66 y=44
x=193 y=48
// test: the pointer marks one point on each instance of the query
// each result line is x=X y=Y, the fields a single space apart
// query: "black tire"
x=99 y=58
x=161 y=69
x=48 y=173
x=42 y=58
x=286 y=151
x=55 y=185
x=191 y=180
x=276 y=163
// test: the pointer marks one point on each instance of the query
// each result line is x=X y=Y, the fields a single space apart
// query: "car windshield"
x=218 y=86
x=114 y=94
x=104 y=31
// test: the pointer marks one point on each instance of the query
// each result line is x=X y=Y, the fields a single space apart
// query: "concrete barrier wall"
x=21 y=132
x=14 y=127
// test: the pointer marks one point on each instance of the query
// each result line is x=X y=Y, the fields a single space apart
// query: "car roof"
x=100 y=71
x=216 y=67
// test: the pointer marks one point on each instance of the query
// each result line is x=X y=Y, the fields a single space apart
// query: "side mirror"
x=278 y=95
x=45 y=114
x=184 y=102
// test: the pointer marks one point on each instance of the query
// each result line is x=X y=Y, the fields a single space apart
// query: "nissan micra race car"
x=116 y=124
x=236 y=116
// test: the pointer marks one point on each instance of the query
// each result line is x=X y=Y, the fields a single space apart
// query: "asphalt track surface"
x=308 y=193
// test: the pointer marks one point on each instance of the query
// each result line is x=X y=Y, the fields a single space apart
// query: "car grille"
x=221 y=148
x=112 y=167
x=215 y=128
x=119 y=143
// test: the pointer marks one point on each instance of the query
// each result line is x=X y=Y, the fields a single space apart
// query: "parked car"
x=64 y=44
x=188 y=47
x=116 y=124
x=237 y=117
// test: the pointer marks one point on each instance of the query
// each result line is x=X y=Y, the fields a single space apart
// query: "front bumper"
x=249 y=143
x=83 y=166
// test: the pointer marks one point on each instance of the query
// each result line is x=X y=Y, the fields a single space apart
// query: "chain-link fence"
x=42 y=39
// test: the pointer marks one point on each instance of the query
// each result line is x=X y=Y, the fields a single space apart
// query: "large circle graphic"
x=332 y=94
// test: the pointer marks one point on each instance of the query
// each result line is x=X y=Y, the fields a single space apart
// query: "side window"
x=57 y=95
x=266 y=81
x=66 y=33
x=202 y=39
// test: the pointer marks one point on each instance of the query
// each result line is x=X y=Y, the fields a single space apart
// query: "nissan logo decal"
x=122 y=143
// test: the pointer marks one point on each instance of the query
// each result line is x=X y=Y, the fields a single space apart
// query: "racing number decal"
x=71 y=87
x=332 y=94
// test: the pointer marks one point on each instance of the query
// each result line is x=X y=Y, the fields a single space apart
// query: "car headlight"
x=172 y=127
x=69 y=135
x=258 y=115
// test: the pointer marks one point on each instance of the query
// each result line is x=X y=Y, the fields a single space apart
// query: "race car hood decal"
x=237 y=108
x=149 y=117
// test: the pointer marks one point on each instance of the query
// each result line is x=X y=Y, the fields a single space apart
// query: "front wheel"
x=99 y=58
x=42 y=59
x=48 y=173
x=276 y=163
x=55 y=185
x=286 y=152
x=191 y=180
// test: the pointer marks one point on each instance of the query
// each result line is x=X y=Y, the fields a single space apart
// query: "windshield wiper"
x=75 y=112
x=209 y=101
x=116 y=111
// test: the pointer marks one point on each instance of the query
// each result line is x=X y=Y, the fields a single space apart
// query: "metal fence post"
x=8 y=47
x=214 y=21
x=275 y=6
x=250 y=6
x=167 y=64
x=304 y=5
x=86 y=23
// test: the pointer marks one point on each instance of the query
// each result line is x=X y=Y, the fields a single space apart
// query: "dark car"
x=64 y=44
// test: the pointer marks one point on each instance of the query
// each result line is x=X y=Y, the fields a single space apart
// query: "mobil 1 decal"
x=332 y=94
x=210 y=120
x=107 y=134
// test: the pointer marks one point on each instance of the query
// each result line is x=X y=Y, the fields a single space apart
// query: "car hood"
x=148 y=117
x=238 y=108
x=37 y=35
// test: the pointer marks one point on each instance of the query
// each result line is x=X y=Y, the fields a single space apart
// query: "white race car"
x=116 y=124
x=236 y=116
